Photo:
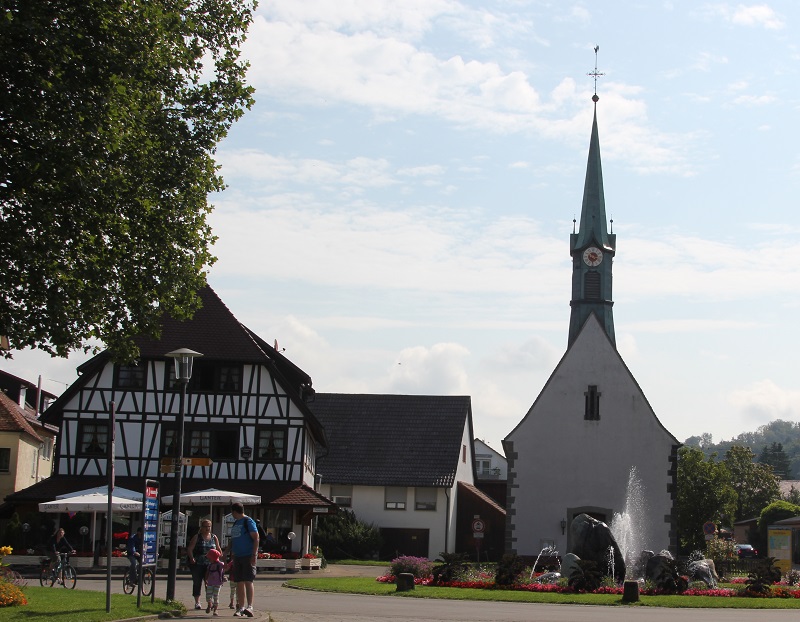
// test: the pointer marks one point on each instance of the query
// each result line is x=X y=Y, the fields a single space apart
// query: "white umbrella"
x=103 y=490
x=94 y=502
x=212 y=496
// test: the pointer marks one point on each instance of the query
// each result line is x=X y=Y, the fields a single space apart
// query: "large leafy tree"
x=110 y=112
x=704 y=494
x=755 y=484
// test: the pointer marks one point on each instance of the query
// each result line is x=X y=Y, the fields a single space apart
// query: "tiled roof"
x=285 y=494
x=13 y=419
x=391 y=440
x=213 y=331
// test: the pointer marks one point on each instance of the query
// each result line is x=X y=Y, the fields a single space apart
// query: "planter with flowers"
x=309 y=561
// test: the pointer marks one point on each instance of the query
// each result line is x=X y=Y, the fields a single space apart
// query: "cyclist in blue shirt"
x=134 y=550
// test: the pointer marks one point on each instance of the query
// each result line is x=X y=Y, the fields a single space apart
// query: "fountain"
x=549 y=551
x=627 y=526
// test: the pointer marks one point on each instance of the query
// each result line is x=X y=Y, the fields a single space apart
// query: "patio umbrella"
x=94 y=502
x=211 y=496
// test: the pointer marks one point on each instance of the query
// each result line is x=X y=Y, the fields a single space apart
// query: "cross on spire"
x=595 y=74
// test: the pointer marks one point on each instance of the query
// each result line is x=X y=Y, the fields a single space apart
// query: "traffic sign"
x=478 y=526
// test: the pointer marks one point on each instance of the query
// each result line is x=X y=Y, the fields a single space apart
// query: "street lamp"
x=183 y=373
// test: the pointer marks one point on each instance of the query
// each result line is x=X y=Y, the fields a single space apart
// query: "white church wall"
x=559 y=460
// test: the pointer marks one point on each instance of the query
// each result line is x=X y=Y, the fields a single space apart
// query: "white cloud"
x=764 y=401
x=754 y=100
x=756 y=15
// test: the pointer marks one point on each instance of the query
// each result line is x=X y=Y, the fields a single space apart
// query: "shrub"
x=586 y=577
x=509 y=568
x=761 y=578
x=10 y=594
x=454 y=567
x=420 y=567
x=793 y=577
x=343 y=535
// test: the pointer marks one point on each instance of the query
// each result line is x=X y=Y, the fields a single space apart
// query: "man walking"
x=244 y=546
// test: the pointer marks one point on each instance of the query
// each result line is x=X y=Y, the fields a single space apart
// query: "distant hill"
x=787 y=433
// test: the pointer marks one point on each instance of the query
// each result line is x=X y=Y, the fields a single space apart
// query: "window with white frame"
x=342 y=495
x=425 y=499
x=395 y=498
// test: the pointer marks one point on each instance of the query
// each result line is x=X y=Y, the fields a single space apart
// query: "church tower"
x=592 y=249
x=591 y=428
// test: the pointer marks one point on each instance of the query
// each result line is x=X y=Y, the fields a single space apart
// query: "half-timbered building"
x=248 y=427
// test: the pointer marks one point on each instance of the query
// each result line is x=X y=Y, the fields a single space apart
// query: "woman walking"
x=201 y=543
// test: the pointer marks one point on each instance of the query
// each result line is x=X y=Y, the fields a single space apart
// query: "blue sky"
x=401 y=197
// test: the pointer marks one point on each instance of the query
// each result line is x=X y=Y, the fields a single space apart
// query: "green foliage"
x=774 y=456
x=704 y=494
x=420 y=567
x=586 y=577
x=453 y=567
x=779 y=432
x=343 y=535
x=509 y=569
x=755 y=484
x=774 y=512
x=111 y=112
x=761 y=578
x=672 y=580
x=719 y=549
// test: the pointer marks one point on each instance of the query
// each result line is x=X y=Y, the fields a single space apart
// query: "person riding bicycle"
x=57 y=545
x=134 y=550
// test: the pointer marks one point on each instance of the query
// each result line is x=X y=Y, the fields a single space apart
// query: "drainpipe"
x=447 y=521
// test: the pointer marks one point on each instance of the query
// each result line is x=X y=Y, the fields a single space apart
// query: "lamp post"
x=183 y=373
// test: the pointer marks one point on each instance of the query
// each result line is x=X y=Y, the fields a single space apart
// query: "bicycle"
x=129 y=580
x=12 y=576
x=63 y=573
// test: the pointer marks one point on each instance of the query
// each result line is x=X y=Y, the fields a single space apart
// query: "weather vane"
x=595 y=74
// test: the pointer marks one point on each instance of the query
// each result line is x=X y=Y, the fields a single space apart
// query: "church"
x=574 y=449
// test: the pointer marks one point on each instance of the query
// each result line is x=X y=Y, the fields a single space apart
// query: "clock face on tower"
x=592 y=256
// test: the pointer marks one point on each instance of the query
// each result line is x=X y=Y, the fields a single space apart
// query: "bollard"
x=630 y=592
x=405 y=582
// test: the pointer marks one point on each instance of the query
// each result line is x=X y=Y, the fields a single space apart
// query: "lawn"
x=361 y=585
x=60 y=605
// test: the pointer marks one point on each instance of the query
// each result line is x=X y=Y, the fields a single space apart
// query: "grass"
x=60 y=605
x=366 y=585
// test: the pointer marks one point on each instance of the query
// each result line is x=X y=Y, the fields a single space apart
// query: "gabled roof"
x=217 y=335
x=14 y=418
x=392 y=440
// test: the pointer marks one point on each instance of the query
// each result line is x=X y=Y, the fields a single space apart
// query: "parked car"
x=746 y=550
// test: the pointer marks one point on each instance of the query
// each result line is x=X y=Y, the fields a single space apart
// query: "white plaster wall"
x=564 y=461
x=368 y=506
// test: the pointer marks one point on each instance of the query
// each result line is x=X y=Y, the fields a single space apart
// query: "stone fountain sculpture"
x=591 y=539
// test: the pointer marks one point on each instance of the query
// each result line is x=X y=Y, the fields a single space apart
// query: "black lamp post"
x=183 y=373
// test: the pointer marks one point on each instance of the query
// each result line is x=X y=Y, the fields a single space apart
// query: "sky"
x=400 y=200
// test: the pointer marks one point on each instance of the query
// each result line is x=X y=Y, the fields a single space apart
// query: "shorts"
x=243 y=570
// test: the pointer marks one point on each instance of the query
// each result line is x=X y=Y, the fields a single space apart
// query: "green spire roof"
x=593 y=211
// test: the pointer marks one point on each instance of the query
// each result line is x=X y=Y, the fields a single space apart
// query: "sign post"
x=478 y=527
x=149 y=536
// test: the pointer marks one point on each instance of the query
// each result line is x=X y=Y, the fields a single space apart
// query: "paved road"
x=289 y=605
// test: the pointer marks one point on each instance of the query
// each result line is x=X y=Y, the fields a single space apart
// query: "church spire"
x=592 y=247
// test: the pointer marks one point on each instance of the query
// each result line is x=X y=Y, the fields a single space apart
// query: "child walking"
x=232 y=582
x=215 y=577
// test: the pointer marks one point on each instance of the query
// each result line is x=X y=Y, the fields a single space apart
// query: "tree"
x=343 y=536
x=110 y=113
x=773 y=513
x=755 y=484
x=776 y=457
x=704 y=494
